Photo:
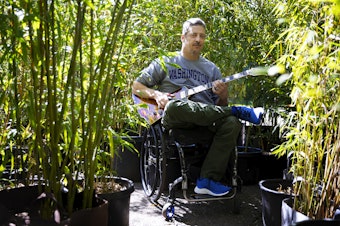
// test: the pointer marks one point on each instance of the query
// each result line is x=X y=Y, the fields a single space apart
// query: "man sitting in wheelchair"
x=208 y=108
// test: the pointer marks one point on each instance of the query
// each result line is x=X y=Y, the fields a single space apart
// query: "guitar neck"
x=189 y=92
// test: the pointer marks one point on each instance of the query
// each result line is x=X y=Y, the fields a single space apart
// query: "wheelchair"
x=188 y=147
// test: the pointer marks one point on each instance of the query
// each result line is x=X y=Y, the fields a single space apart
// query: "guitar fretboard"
x=188 y=92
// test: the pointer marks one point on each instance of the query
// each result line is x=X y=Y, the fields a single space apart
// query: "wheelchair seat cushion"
x=197 y=135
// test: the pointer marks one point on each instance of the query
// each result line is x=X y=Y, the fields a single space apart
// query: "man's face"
x=193 y=40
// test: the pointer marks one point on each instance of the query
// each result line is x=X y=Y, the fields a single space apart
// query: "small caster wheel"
x=168 y=211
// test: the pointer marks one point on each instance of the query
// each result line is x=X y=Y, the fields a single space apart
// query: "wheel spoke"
x=153 y=163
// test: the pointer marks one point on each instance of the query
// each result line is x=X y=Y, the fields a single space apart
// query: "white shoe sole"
x=204 y=191
x=258 y=111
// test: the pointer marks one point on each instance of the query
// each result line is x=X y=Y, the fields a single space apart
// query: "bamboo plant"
x=311 y=52
x=63 y=88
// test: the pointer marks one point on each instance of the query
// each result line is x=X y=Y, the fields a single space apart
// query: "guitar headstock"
x=270 y=71
x=257 y=71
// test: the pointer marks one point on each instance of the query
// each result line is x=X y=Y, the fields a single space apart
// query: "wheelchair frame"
x=157 y=148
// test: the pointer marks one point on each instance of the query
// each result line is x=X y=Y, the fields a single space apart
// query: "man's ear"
x=182 y=38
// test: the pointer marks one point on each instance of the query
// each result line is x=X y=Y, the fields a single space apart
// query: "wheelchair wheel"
x=153 y=162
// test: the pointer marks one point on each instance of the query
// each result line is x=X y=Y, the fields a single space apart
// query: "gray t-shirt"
x=181 y=72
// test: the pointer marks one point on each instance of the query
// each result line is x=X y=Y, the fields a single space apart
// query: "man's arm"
x=145 y=92
x=142 y=91
x=222 y=102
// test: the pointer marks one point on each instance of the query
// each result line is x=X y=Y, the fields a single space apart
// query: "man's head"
x=192 y=22
x=193 y=37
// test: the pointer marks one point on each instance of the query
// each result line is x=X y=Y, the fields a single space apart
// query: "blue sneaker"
x=205 y=186
x=253 y=115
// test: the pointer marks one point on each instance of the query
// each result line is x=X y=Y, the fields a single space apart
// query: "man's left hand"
x=220 y=88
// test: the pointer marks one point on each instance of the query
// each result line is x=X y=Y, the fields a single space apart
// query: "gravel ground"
x=219 y=213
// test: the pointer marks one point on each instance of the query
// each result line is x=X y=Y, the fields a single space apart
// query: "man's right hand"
x=161 y=98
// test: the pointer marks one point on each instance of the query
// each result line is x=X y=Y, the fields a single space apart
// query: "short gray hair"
x=192 y=22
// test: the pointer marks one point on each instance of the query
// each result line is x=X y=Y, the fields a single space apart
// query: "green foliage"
x=312 y=53
x=66 y=68
x=63 y=87
x=240 y=34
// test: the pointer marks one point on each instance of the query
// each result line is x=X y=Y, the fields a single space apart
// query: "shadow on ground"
x=220 y=213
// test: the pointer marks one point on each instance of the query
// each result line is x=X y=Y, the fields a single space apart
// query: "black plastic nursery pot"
x=126 y=162
x=292 y=217
x=271 y=166
x=21 y=206
x=119 y=203
x=272 y=200
x=289 y=216
x=248 y=164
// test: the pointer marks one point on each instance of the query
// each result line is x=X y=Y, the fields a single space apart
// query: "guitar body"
x=148 y=109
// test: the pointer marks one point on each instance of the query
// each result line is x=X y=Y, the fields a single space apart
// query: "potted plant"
x=61 y=85
x=312 y=139
x=109 y=182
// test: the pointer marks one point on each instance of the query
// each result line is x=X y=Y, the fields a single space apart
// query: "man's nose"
x=198 y=39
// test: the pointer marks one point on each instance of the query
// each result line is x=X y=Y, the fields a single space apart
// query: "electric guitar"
x=150 y=111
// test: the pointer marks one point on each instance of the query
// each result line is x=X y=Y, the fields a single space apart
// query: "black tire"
x=153 y=162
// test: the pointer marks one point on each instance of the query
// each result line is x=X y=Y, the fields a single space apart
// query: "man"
x=208 y=108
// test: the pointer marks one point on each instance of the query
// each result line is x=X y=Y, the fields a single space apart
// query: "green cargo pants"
x=219 y=120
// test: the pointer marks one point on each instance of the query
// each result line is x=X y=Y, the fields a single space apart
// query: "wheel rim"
x=152 y=165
